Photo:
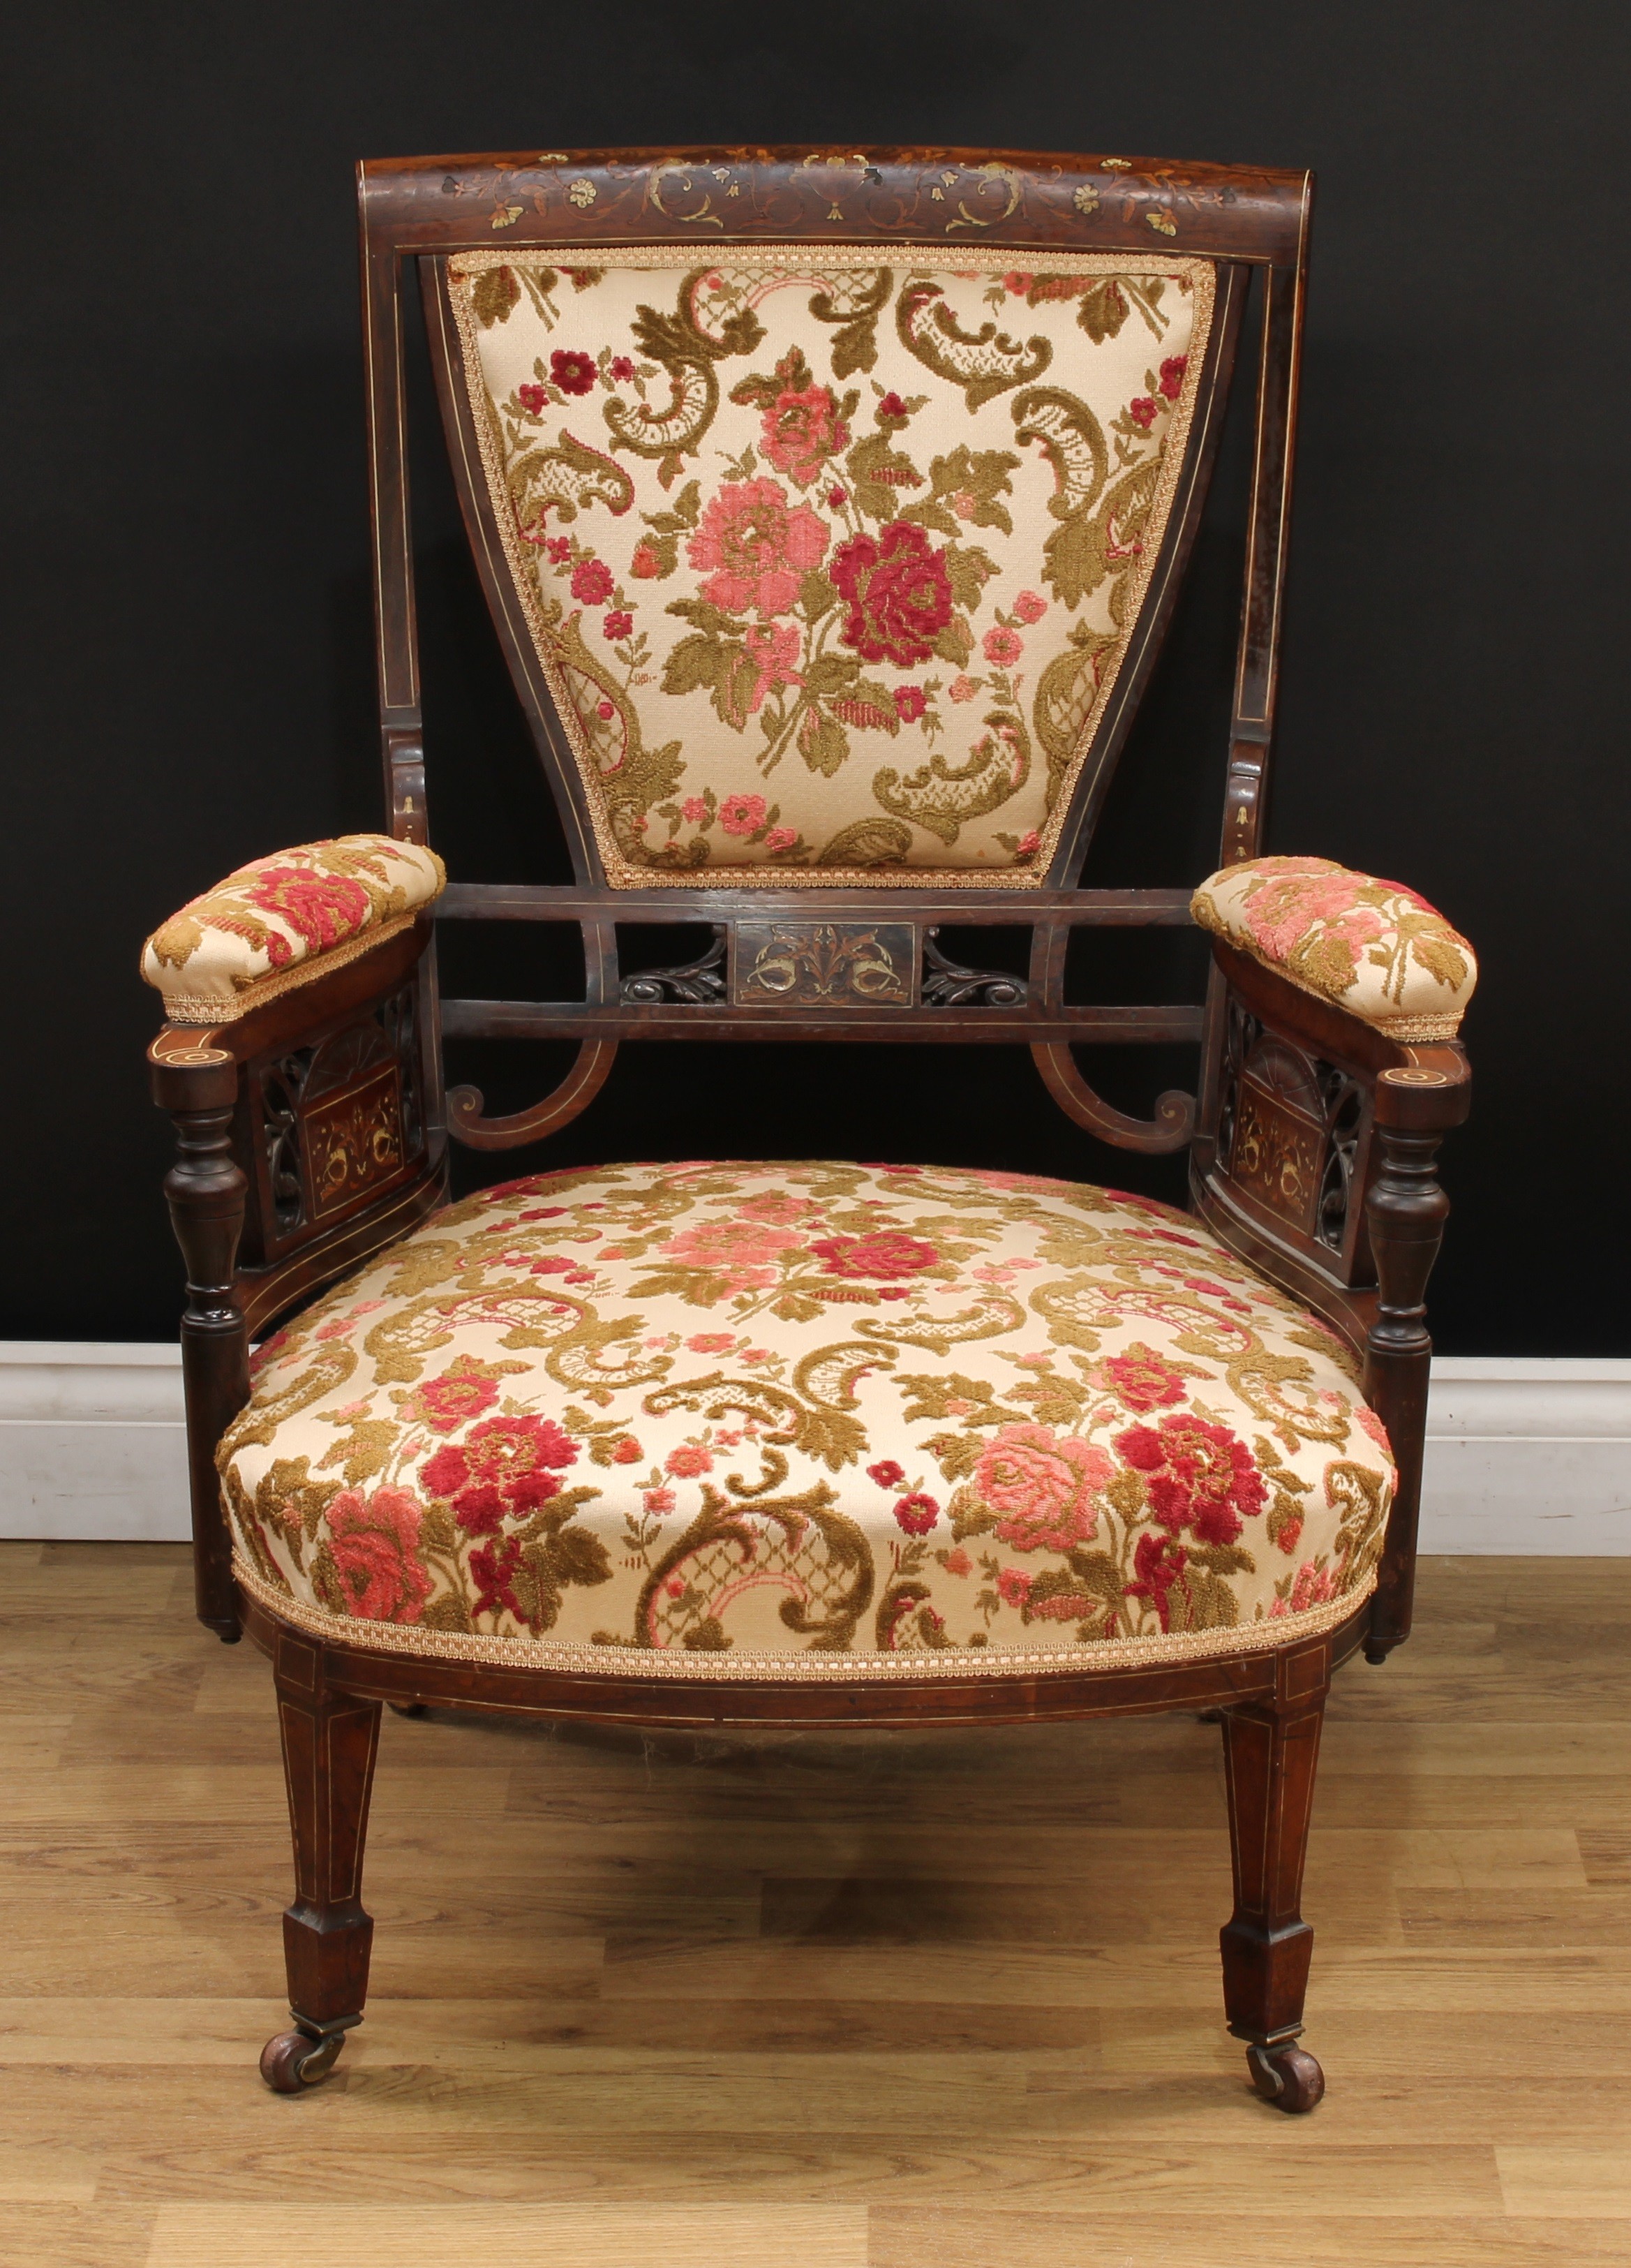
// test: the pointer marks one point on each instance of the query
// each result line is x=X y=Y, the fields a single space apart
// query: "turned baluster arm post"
x=1406 y=1211
x=206 y=1189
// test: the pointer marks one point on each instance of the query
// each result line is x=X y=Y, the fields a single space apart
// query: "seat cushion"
x=810 y=1420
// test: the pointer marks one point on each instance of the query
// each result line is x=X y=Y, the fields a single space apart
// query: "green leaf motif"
x=823 y=744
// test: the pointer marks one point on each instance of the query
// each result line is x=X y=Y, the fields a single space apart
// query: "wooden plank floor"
x=939 y=2001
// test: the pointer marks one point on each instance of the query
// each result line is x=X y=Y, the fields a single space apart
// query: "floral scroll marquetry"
x=826 y=964
x=336 y=1123
x=1294 y=1139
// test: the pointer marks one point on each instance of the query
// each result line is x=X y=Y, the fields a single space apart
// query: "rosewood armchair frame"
x=313 y=1130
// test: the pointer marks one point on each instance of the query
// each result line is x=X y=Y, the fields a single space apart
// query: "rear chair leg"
x=1270 y=1751
x=329 y=1740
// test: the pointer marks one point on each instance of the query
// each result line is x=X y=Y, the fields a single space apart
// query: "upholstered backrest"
x=830 y=556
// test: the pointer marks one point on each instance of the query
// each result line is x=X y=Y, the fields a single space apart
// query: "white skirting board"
x=1521 y=1456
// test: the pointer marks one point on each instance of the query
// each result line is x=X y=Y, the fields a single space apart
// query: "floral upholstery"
x=283 y=920
x=1373 y=948
x=831 y=566
x=807 y=1420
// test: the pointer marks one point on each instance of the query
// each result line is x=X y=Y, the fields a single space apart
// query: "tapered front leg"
x=1270 y=1751
x=329 y=1741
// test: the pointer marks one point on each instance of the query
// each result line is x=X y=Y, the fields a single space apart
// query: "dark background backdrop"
x=189 y=672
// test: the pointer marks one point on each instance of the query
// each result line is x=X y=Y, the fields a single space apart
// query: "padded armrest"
x=1373 y=948
x=285 y=920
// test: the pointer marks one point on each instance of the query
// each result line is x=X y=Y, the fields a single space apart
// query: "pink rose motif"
x=899 y=591
x=1029 y=606
x=773 y=648
x=447 y=1402
x=604 y=711
x=742 y=814
x=1043 y=1484
x=1142 y=411
x=891 y=406
x=505 y=1469
x=958 y=1563
x=910 y=703
x=622 y=369
x=1282 y=913
x=916 y=1515
x=743 y=1252
x=375 y=1543
x=1199 y=1476
x=559 y=548
x=1312 y=1586
x=1172 y=376
x=1016 y=283
x=323 y=909
x=617 y=625
x=687 y=1461
x=573 y=372
x=781 y=839
x=693 y=811
x=802 y=432
x=838 y=499
x=532 y=398
x=1027 y=846
x=645 y=562
x=886 y=1473
x=1013 y=1587
x=889 y=1253
x=1290 y=1534
x=711 y=1342
x=1140 y=1379
x=754 y=550
x=627 y=1452
x=660 y=1500
x=592 y=582
x=777 y=1205
x=962 y=689
x=1003 y=647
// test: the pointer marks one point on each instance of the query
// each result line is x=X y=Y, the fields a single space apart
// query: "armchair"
x=830 y=511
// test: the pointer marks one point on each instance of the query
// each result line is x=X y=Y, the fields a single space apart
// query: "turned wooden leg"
x=329 y=1741
x=1270 y=1751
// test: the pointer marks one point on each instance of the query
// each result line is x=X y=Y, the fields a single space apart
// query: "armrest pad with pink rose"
x=1373 y=948
x=285 y=920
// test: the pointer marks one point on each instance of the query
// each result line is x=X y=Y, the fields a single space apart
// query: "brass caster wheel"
x=1288 y=2077
x=294 y=2060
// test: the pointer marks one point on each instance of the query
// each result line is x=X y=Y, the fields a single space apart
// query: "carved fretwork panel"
x=1293 y=1144
x=824 y=964
x=328 y=1128
x=947 y=984
x=694 y=981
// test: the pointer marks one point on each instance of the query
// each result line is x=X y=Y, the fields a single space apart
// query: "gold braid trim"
x=1265 y=1637
x=180 y=1009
